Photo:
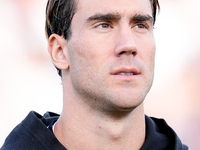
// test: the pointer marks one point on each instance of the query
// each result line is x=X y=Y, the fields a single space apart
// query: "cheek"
x=151 y=59
x=87 y=64
x=90 y=50
x=85 y=59
x=85 y=48
x=147 y=56
x=147 y=51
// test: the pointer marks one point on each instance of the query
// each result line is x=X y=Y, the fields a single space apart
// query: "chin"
x=127 y=104
x=120 y=111
x=130 y=106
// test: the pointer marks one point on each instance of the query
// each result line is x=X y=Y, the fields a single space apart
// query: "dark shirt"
x=34 y=133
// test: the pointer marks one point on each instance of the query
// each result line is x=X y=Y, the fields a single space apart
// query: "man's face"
x=111 y=52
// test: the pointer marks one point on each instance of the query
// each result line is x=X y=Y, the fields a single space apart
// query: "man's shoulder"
x=159 y=136
x=32 y=133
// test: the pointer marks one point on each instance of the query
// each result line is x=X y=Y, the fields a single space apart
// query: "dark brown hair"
x=59 y=14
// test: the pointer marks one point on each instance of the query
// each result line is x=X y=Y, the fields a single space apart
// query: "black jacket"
x=32 y=134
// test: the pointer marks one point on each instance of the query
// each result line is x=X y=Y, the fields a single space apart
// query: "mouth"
x=126 y=74
x=124 y=71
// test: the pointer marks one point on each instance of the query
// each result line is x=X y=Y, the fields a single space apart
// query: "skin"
x=108 y=67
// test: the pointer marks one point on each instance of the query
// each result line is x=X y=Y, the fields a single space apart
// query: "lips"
x=126 y=74
x=126 y=71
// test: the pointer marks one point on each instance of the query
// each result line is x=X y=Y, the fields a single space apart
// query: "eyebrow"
x=142 y=18
x=117 y=16
x=106 y=17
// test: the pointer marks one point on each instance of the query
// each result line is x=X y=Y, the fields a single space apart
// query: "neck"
x=82 y=129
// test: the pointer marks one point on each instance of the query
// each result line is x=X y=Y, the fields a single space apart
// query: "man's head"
x=107 y=57
x=59 y=14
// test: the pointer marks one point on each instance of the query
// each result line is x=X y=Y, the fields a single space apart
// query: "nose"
x=126 y=43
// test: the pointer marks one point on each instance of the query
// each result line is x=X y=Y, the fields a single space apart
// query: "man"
x=104 y=51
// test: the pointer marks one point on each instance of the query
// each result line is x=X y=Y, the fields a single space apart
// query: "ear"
x=57 y=47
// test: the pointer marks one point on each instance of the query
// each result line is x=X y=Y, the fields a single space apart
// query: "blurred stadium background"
x=29 y=81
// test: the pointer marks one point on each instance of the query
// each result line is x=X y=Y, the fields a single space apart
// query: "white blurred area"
x=29 y=81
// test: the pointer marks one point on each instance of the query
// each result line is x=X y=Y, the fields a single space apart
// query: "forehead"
x=90 y=7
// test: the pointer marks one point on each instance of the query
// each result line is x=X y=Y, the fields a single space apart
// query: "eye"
x=141 y=26
x=103 y=25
